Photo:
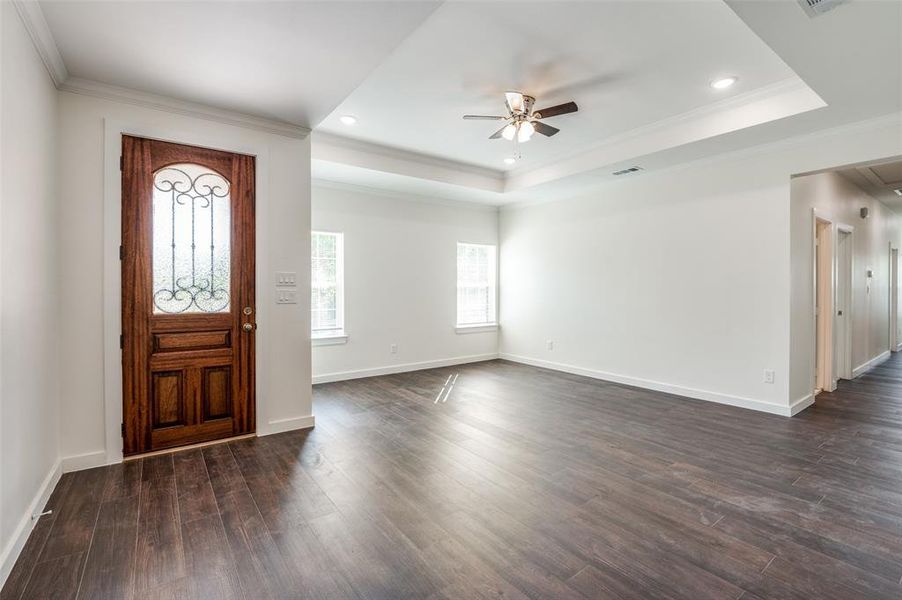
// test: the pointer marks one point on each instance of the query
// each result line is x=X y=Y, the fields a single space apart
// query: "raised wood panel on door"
x=187 y=377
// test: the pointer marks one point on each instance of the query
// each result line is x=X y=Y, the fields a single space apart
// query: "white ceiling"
x=290 y=61
x=626 y=64
x=639 y=71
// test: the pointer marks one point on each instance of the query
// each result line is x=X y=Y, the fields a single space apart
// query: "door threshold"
x=188 y=447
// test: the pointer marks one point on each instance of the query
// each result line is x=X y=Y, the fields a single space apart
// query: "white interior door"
x=893 y=298
x=824 y=282
x=843 y=308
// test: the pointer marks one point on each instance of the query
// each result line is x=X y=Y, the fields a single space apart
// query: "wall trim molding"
x=330 y=147
x=115 y=93
x=801 y=404
x=870 y=364
x=288 y=424
x=403 y=368
x=35 y=24
x=88 y=460
x=658 y=386
x=343 y=186
x=26 y=522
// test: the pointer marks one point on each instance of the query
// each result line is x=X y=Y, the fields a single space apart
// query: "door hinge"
x=121 y=162
x=121 y=341
x=123 y=429
x=121 y=252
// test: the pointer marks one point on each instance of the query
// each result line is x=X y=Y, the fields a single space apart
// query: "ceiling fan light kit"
x=522 y=121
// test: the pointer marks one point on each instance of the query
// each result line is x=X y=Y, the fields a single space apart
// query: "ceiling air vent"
x=626 y=171
x=814 y=8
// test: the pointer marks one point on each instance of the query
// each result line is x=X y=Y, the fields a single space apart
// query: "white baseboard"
x=402 y=368
x=23 y=529
x=867 y=366
x=289 y=424
x=658 y=386
x=88 y=460
x=801 y=404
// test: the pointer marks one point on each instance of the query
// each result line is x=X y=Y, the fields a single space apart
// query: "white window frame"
x=337 y=335
x=492 y=324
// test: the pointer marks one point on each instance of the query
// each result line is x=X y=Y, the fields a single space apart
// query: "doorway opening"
x=893 y=298
x=188 y=309
x=843 y=303
x=823 y=305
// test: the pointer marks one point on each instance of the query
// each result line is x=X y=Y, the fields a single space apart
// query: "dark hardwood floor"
x=524 y=483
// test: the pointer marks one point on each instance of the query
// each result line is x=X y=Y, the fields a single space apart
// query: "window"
x=327 y=285
x=475 y=285
x=191 y=240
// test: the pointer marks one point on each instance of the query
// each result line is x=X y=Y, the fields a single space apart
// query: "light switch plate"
x=286 y=279
x=286 y=296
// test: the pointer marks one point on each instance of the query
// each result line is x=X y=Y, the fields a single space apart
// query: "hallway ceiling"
x=880 y=180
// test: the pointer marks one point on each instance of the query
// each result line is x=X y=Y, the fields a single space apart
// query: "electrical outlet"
x=549 y=344
x=393 y=348
x=768 y=375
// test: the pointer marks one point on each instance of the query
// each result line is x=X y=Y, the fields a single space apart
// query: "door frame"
x=893 y=298
x=143 y=363
x=823 y=318
x=843 y=229
x=225 y=140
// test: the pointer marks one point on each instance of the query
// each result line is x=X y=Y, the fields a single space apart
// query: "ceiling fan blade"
x=544 y=129
x=497 y=134
x=483 y=118
x=514 y=101
x=560 y=109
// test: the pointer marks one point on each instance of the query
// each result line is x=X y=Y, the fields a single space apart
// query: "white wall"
x=838 y=200
x=677 y=280
x=400 y=280
x=89 y=150
x=29 y=365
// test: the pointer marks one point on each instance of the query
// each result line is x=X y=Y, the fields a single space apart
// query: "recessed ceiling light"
x=510 y=160
x=723 y=83
x=898 y=192
x=348 y=119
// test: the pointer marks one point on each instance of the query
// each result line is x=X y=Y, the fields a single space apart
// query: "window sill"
x=480 y=328
x=332 y=339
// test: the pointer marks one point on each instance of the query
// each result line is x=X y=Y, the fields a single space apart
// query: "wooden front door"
x=188 y=313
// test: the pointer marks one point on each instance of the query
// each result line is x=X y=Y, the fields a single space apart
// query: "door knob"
x=248 y=326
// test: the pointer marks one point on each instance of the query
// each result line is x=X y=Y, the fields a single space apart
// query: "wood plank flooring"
x=521 y=483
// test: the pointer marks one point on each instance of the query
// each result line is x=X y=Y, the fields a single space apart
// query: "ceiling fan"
x=522 y=120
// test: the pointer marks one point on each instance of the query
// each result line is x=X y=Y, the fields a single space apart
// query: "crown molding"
x=801 y=140
x=329 y=147
x=329 y=184
x=35 y=24
x=779 y=100
x=115 y=93
x=32 y=18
